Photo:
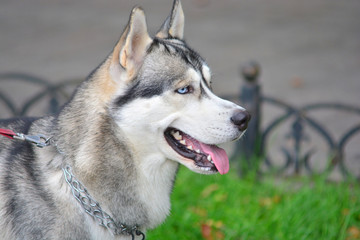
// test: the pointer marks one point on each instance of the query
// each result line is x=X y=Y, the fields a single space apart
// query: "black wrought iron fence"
x=254 y=145
x=55 y=94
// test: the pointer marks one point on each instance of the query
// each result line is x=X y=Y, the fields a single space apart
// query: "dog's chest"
x=155 y=187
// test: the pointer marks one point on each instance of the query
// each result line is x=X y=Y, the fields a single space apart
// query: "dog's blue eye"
x=184 y=90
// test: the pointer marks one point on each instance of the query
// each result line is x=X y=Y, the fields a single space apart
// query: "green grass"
x=226 y=207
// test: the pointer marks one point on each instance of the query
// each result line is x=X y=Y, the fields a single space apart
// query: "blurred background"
x=308 y=51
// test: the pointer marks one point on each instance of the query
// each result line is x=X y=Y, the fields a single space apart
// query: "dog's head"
x=164 y=103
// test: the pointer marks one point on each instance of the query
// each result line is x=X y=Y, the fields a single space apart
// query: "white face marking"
x=206 y=73
x=193 y=75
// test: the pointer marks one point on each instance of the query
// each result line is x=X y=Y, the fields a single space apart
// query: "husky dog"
x=116 y=145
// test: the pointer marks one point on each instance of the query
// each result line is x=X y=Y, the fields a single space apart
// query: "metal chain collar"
x=92 y=207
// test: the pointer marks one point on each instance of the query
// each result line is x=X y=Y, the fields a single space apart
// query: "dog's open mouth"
x=207 y=157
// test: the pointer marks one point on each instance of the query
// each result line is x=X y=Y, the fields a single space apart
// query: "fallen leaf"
x=269 y=201
x=265 y=202
x=201 y=212
x=353 y=232
x=276 y=199
x=218 y=224
x=345 y=211
x=209 y=190
x=206 y=231
x=211 y=230
x=219 y=235
x=221 y=197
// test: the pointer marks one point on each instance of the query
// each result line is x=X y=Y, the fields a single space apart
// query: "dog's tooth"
x=183 y=142
x=190 y=147
x=177 y=136
x=209 y=158
x=205 y=169
x=197 y=150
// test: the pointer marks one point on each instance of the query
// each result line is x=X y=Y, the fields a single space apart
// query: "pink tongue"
x=218 y=156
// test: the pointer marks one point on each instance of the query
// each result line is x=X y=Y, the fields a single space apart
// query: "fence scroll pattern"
x=254 y=144
x=55 y=93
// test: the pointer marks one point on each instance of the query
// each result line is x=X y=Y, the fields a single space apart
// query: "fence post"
x=247 y=149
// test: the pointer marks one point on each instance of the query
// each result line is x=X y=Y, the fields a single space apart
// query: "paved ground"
x=309 y=50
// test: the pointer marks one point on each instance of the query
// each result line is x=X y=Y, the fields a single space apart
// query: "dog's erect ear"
x=174 y=24
x=130 y=51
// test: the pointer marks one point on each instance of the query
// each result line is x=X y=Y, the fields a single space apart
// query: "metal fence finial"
x=251 y=71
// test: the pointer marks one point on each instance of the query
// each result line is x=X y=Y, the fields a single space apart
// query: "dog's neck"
x=133 y=186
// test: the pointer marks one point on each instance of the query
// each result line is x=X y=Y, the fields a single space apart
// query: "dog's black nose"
x=241 y=119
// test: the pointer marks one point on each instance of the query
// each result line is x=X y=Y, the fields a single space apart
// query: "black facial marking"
x=207 y=84
x=167 y=49
x=202 y=90
x=139 y=91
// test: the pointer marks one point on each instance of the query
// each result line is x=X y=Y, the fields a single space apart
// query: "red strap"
x=7 y=133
